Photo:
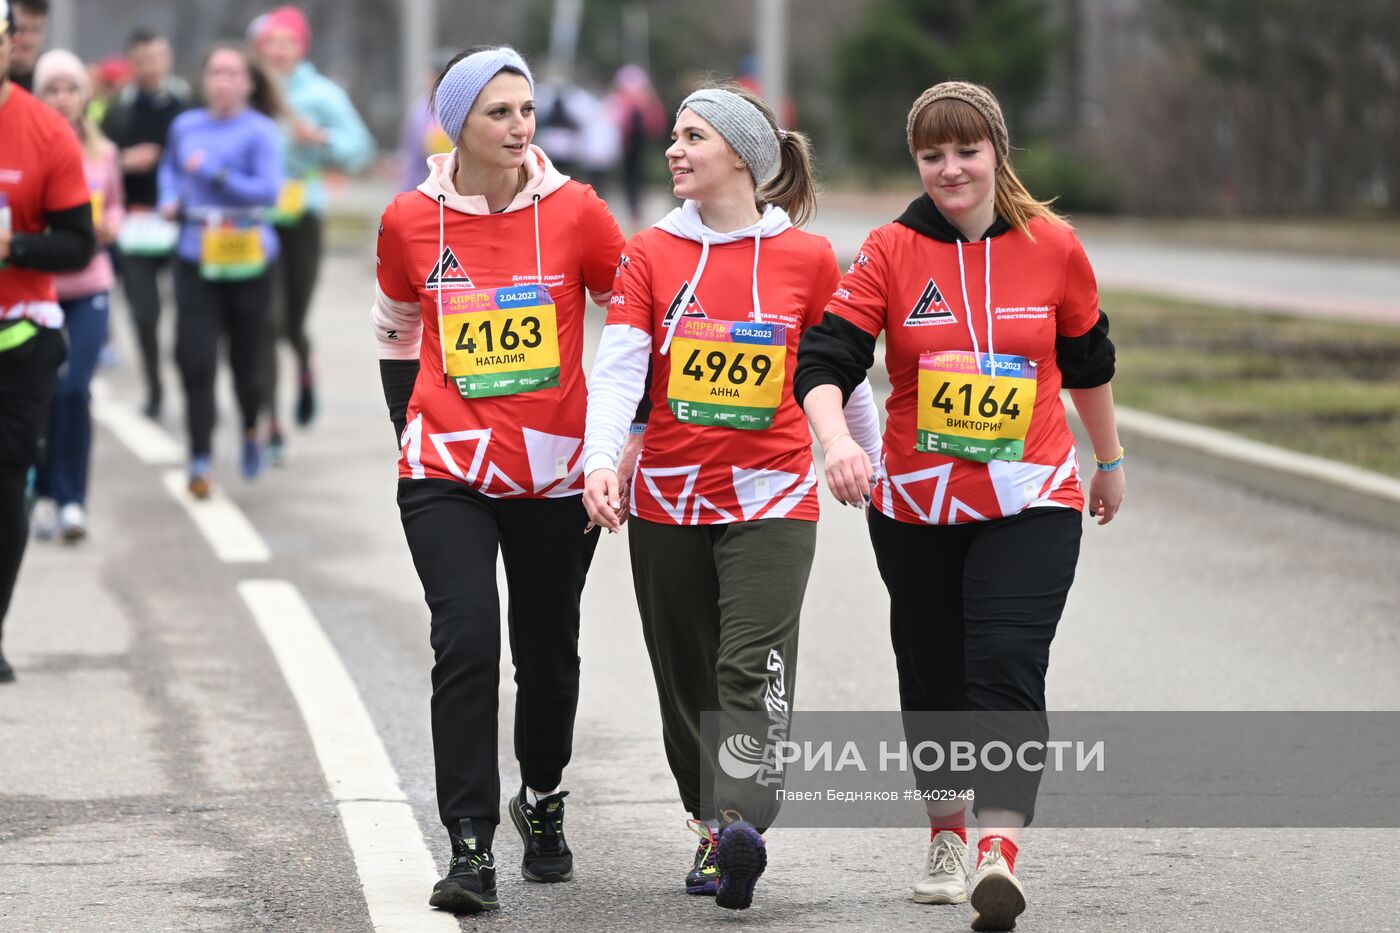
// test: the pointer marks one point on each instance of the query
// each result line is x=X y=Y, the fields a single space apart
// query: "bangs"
x=949 y=121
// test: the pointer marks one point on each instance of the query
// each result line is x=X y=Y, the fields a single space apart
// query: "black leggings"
x=973 y=609
x=294 y=281
x=140 y=276
x=206 y=312
x=454 y=533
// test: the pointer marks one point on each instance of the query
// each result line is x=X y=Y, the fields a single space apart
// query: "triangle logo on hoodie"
x=693 y=309
x=930 y=308
x=448 y=272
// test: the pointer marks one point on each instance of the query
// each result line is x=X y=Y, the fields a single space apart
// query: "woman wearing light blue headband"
x=482 y=273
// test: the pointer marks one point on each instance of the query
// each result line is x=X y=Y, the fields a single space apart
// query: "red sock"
x=949 y=823
x=1008 y=851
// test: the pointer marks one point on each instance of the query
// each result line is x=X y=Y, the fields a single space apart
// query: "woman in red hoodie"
x=712 y=301
x=989 y=308
x=482 y=274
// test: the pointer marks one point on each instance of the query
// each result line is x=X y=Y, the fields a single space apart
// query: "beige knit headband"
x=975 y=95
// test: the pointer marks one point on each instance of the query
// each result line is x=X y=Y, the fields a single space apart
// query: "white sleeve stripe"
x=398 y=326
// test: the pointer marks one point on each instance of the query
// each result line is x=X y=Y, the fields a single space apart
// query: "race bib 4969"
x=727 y=373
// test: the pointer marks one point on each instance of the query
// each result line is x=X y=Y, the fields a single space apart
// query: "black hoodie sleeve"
x=398 y=378
x=66 y=246
x=643 y=414
x=834 y=352
x=1086 y=361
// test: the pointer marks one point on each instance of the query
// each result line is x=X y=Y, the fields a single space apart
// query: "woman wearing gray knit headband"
x=712 y=301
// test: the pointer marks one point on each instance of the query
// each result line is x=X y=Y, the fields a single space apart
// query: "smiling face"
x=960 y=177
x=703 y=165
x=63 y=95
x=501 y=123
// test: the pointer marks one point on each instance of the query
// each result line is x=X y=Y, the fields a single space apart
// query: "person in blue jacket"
x=322 y=131
x=220 y=173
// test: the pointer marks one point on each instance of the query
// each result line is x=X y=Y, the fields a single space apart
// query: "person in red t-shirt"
x=712 y=302
x=989 y=308
x=45 y=227
x=482 y=279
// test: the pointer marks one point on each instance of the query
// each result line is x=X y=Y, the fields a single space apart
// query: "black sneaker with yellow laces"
x=541 y=827
x=470 y=884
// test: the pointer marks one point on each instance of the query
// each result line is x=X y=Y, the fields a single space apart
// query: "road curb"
x=1323 y=484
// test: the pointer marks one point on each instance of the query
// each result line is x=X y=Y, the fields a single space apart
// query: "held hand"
x=602 y=499
x=848 y=472
x=1106 y=494
x=626 y=466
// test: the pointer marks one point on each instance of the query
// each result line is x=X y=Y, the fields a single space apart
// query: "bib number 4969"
x=718 y=364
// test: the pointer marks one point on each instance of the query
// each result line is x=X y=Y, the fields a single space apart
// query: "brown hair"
x=948 y=120
x=793 y=188
x=265 y=98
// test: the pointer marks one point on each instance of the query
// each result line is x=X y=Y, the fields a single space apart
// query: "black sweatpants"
x=720 y=606
x=294 y=281
x=454 y=533
x=209 y=311
x=28 y=375
x=141 y=281
x=973 y=609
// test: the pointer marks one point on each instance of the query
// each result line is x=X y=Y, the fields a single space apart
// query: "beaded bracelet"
x=1108 y=466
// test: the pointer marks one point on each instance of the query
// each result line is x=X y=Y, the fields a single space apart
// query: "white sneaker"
x=997 y=897
x=945 y=872
x=44 y=519
x=72 y=522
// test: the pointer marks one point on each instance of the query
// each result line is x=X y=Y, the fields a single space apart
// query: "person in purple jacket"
x=220 y=173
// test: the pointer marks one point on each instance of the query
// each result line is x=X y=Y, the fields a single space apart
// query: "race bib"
x=97 y=206
x=291 y=203
x=147 y=234
x=964 y=412
x=727 y=373
x=231 y=251
x=499 y=341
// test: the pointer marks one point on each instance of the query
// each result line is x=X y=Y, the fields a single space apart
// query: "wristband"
x=637 y=427
x=827 y=445
x=1108 y=466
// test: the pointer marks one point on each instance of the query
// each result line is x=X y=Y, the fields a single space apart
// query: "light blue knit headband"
x=743 y=127
x=462 y=85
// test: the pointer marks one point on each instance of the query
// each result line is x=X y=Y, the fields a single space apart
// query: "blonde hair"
x=793 y=189
x=948 y=120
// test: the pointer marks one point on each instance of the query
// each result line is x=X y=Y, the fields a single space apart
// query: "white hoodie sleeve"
x=863 y=418
x=398 y=326
x=614 y=389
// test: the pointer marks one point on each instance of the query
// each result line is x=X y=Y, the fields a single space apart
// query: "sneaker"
x=541 y=827
x=470 y=884
x=7 y=673
x=72 y=523
x=306 y=399
x=152 y=407
x=276 y=447
x=201 y=477
x=741 y=858
x=703 y=878
x=43 y=519
x=945 y=872
x=252 y=458
x=997 y=897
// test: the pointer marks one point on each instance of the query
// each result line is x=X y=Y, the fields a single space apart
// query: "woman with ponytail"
x=719 y=479
x=989 y=308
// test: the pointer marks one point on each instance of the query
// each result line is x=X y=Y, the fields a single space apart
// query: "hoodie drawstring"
x=442 y=336
x=757 y=310
x=539 y=258
x=689 y=293
x=967 y=307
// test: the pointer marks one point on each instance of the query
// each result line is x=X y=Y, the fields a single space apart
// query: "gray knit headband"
x=743 y=127
x=461 y=86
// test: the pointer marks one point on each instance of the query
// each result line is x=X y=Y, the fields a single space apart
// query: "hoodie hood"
x=685 y=222
x=543 y=180
x=923 y=216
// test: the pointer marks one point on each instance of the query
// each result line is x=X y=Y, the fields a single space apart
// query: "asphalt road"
x=156 y=773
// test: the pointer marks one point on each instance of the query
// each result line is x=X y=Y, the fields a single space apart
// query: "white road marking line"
x=150 y=442
x=228 y=531
x=396 y=871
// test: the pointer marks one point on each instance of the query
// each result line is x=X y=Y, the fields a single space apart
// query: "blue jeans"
x=64 y=474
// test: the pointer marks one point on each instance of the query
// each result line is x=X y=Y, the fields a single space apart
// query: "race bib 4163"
x=727 y=373
x=499 y=341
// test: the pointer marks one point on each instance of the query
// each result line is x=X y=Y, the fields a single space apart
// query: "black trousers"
x=209 y=311
x=28 y=375
x=294 y=281
x=454 y=534
x=141 y=282
x=973 y=609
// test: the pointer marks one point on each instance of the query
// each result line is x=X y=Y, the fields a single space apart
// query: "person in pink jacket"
x=61 y=80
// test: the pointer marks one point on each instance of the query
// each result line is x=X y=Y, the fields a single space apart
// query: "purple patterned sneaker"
x=741 y=858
